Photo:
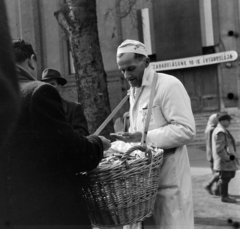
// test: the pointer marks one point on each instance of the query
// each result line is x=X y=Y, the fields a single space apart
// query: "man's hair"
x=22 y=50
x=137 y=56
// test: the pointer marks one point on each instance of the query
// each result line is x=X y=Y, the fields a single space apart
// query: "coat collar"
x=65 y=105
x=146 y=81
x=148 y=76
x=221 y=128
x=23 y=75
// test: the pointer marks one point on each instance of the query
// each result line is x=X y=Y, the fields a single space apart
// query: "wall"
x=51 y=35
x=33 y=21
x=228 y=21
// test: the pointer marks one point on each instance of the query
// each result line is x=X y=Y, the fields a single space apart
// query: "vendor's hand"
x=128 y=137
x=106 y=143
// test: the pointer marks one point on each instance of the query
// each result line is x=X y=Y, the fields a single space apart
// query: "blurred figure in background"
x=74 y=111
x=118 y=125
x=212 y=123
x=126 y=121
x=122 y=124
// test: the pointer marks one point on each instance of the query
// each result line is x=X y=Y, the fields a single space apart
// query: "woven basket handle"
x=147 y=150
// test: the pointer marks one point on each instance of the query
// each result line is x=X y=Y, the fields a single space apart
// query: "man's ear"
x=30 y=65
x=147 y=62
x=31 y=60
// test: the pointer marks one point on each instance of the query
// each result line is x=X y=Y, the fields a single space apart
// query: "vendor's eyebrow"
x=129 y=68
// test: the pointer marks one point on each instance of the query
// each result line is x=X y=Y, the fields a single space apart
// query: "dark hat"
x=222 y=117
x=52 y=74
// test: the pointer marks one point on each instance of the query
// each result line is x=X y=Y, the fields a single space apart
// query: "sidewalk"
x=209 y=211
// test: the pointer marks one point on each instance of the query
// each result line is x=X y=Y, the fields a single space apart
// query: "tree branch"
x=64 y=20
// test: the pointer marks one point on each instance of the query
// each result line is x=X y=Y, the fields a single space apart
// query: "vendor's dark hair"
x=22 y=50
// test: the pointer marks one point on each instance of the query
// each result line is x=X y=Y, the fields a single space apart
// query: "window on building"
x=70 y=59
x=208 y=50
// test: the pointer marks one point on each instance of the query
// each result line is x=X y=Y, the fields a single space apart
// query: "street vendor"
x=171 y=127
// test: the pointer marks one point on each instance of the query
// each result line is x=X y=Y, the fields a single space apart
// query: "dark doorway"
x=201 y=84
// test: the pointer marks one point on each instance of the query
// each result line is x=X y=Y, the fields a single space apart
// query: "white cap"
x=132 y=46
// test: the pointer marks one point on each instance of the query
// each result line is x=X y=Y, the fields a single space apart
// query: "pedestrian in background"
x=74 y=111
x=122 y=124
x=224 y=156
x=212 y=123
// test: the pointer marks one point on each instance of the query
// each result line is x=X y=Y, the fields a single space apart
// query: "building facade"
x=171 y=30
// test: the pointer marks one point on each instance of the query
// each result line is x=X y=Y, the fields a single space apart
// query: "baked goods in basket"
x=123 y=188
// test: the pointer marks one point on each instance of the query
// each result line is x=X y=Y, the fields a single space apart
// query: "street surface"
x=209 y=211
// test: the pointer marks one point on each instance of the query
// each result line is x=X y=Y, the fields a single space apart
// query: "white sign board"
x=195 y=61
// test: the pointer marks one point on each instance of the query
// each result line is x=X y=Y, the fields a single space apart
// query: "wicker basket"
x=125 y=193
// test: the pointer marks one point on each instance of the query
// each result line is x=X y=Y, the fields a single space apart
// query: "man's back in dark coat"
x=75 y=116
x=43 y=156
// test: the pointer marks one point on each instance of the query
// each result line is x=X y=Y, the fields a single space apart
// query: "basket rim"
x=132 y=162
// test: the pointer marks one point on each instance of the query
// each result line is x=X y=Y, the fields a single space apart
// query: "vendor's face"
x=132 y=68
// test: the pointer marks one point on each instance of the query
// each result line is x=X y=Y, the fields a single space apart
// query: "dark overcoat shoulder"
x=43 y=157
x=75 y=116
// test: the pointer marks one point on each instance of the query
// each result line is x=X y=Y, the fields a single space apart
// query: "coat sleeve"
x=176 y=108
x=76 y=152
x=79 y=121
x=220 y=146
x=208 y=136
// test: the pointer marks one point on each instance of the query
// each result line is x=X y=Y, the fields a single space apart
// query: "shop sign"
x=196 y=61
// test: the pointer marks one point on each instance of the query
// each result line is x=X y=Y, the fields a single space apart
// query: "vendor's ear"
x=147 y=62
